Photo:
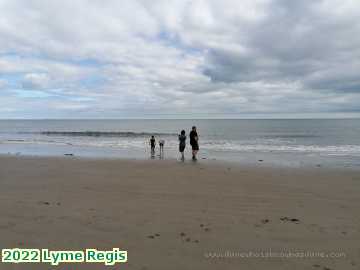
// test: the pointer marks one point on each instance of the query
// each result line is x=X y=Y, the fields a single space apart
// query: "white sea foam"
x=266 y=145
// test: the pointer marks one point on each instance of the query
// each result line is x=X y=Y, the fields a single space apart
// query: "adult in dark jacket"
x=194 y=142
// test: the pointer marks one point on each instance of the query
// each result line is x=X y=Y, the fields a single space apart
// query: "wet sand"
x=170 y=215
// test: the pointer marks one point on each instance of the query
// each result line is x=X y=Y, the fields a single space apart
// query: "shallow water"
x=284 y=141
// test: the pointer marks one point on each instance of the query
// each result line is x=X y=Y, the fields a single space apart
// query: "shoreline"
x=257 y=161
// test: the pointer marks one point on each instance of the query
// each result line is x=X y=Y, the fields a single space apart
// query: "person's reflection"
x=152 y=154
x=161 y=154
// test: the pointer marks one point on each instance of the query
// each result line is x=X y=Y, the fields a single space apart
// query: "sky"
x=179 y=58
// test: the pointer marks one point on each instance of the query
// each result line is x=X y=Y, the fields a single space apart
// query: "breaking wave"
x=121 y=134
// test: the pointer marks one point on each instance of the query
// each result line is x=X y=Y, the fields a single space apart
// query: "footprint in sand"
x=153 y=236
x=294 y=220
x=48 y=203
x=43 y=203
x=188 y=239
x=206 y=229
x=264 y=221
x=323 y=268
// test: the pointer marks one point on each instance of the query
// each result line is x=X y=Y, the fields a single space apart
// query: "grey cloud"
x=296 y=40
x=229 y=56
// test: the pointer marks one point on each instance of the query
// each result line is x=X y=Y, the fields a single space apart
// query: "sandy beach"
x=173 y=215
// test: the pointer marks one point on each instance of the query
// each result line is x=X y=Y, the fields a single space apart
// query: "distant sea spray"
x=101 y=133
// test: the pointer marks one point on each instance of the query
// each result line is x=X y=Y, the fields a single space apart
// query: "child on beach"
x=161 y=144
x=182 y=144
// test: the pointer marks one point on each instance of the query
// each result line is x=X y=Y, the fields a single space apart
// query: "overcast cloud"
x=172 y=58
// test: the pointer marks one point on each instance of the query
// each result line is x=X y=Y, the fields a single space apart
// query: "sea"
x=273 y=142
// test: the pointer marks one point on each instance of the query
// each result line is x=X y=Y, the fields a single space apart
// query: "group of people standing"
x=194 y=142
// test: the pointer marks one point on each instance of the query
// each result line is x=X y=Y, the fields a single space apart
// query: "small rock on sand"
x=44 y=203
x=264 y=221
x=290 y=219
